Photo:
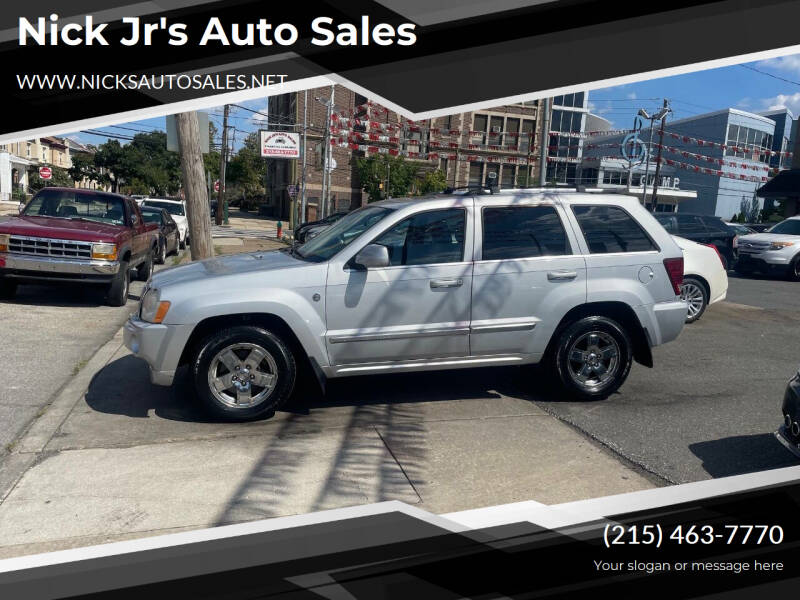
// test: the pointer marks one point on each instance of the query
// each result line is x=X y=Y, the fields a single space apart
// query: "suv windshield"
x=787 y=227
x=66 y=204
x=334 y=239
x=173 y=208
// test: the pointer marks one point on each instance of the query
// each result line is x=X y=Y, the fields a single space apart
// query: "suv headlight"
x=4 y=240
x=104 y=251
x=153 y=309
x=780 y=245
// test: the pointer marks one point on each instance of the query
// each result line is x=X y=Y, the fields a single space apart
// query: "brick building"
x=467 y=147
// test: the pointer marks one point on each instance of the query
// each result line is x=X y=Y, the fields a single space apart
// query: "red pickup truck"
x=67 y=234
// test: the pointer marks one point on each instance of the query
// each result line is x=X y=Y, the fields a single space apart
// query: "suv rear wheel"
x=243 y=373
x=592 y=358
x=145 y=269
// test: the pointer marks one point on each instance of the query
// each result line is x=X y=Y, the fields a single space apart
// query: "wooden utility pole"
x=197 y=207
x=222 y=163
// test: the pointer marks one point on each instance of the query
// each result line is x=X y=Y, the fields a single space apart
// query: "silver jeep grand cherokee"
x=585 y=283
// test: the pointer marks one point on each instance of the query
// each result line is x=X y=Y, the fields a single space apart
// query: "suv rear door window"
x=522 y=232
x=427 y=238
x=611 y=229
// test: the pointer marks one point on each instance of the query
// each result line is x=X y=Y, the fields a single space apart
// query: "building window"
x=615 y=177
x=475 y=173
x=752 y=144
x=507 y=178
x=480 y=123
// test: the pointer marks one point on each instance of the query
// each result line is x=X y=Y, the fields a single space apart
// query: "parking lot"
x=127 y=458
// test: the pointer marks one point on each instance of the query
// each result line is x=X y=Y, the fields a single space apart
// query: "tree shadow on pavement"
x=741 y=454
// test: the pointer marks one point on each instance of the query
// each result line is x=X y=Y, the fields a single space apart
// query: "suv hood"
x=233 y=265
x=65 y=229
x=769 y=237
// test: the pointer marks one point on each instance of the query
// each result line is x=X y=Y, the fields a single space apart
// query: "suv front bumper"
x=19 y=266
x=160 y=346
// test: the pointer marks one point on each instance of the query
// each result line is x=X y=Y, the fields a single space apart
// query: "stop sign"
x=45 y=172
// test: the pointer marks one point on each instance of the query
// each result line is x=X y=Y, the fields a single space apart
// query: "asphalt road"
x=710 y=405
x=48 y=335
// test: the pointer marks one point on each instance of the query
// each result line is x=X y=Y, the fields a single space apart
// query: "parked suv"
x=583 y=283
x=704 y=229
x=777 y=250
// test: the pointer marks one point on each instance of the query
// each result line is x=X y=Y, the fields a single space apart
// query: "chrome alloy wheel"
x=693 y=295
x=242 y=375
x=593 y=359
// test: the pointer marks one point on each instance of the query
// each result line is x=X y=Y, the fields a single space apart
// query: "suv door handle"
x=561 y=275
x=446 y=283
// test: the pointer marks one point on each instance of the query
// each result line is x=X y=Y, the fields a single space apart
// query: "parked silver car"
x=586 y=283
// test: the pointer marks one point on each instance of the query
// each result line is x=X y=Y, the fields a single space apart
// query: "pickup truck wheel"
x=243 y=373
x=145 y=269
x=593 y=358
x=117 y=294
x=8 y=289
x=694 y=293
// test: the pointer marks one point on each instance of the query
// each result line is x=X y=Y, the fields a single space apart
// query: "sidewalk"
x=115 y=457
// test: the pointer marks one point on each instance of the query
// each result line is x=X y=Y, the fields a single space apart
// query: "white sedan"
x=704 y=278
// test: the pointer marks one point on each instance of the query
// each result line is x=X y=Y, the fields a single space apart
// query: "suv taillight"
x=674 y=267
x=735 y=242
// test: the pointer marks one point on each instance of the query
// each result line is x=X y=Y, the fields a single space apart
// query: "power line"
x=749 y=68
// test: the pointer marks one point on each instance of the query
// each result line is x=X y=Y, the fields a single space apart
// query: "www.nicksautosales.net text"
x=111 y=81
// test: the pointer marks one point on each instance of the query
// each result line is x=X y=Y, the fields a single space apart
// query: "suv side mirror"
x=372 y=256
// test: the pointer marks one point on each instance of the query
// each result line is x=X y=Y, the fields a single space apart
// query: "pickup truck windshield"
x=173 y=208
x=334 y=239
x=66 y=204
x=787 y=227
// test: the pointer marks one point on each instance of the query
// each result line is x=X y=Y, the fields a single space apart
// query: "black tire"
x=209 y=364
x=573 y=338
x=182 y=243
x=726 y=263
x=793 y=273
x=8 y=289
x=695 y=293
x=161 y=257
x=117 y=293
x=145 y=268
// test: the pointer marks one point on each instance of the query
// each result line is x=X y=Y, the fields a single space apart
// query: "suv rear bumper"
x=663 y=321
x=46 y=268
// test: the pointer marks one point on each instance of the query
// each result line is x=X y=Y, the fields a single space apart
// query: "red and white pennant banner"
x=708 y=144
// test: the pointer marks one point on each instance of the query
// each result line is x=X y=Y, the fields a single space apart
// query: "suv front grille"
x=47 y=247
x=753 y=247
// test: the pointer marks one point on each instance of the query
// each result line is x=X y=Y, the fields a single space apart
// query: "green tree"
x=83 y=168
x=60 y=178
x=431 y=182
x=247 y=168
x=374 y=170
x=110 y=161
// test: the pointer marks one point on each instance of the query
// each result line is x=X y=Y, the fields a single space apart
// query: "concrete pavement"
x=122 y=458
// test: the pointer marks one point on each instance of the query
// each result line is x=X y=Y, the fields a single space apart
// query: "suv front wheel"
x=243 y=373
x=592 y=358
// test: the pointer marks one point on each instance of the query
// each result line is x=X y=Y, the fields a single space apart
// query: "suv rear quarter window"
x=610 y=229
x=522 y=232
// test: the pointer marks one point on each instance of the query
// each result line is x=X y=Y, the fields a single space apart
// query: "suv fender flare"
x=620 y=312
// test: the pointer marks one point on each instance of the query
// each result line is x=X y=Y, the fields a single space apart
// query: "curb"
x=31 y=444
